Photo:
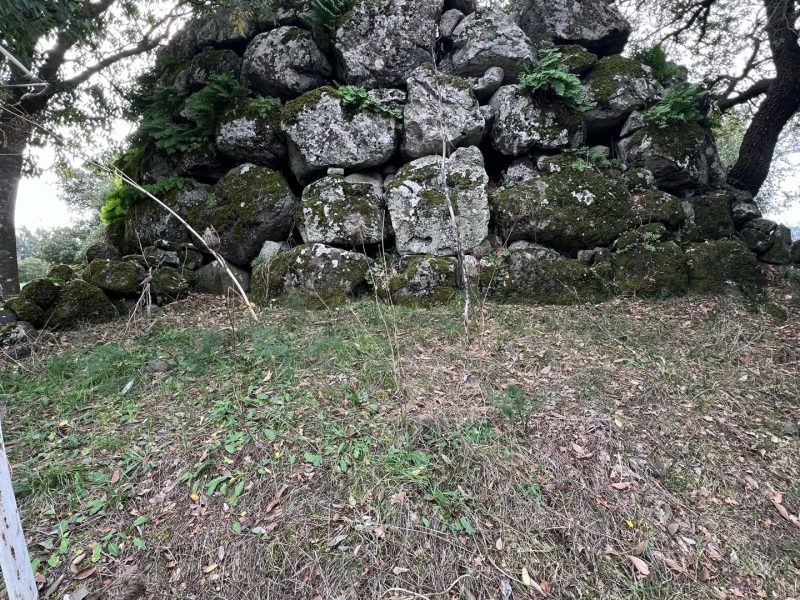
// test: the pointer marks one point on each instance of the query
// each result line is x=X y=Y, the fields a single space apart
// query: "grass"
x=311 y=456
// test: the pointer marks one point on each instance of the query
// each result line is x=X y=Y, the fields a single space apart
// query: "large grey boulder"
x=676 y=155
x=570 y=209
x=439 y=106
x=315 y=275
x=285 y=62
x=147 y=222
x=523 y=122
x=380 y=42
x=490 y=39
x=250 y=132
x=339 y=211
x=322 y=132
x=419 y=208
x=487 y=84
x=771 y=241
x=619 y=86
x=118 y=277
x=249 y=205
x=593 y=24
x=214 y=279
x=423 y=280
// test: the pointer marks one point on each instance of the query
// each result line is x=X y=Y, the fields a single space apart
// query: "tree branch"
x=754 y=91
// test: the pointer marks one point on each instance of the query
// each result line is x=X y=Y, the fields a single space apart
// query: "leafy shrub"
x=550 y=75
x=120 y=200
x=655 y=58
x=356 y=97
x=323 y=16
x=684 y=103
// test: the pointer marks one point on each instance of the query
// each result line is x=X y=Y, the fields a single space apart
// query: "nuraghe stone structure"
x=313 y=195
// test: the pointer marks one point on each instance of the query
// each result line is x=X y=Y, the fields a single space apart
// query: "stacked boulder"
x=405 y=133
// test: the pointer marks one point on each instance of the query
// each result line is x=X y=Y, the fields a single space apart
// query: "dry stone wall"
x=333 y=172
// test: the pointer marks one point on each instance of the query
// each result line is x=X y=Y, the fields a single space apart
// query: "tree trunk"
x=781 y=103
x=14 y=134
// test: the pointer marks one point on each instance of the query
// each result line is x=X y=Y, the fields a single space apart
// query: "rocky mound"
x=306 y=149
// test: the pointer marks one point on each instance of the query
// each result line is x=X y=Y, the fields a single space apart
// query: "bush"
x=655 y=58
x=32 y=268
x=684 y=103
x=550 y=75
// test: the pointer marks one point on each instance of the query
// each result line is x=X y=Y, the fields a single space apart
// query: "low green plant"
x=656 y=58
x=550 y=75
x=585 y=157
x=122 y=197
x=683 y=103
x=322 y=17
x=516 y=405
x=265 y=106
x=356 y=97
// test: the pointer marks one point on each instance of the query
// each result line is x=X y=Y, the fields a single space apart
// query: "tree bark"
x=781 y=103
x=14 y=135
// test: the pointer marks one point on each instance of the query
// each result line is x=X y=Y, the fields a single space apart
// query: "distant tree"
x=25 y=239
x=31 y=268
x=747 y=52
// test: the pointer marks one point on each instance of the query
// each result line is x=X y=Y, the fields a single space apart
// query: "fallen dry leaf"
x=639 y=564
x=621 y=485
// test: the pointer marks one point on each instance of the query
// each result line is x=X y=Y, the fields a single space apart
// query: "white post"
x=14 y=558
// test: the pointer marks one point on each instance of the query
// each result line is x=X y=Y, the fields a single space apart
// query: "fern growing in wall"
x=656 y=58
x=683 y=103
x=550 y=75
x=323 y=16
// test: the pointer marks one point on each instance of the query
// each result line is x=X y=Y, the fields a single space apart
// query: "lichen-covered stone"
x=713 y=264
x=147 y=222
x=285 y=62
x=655 y=206
x=523 y=122
x=439 y=106
x=709 y=218
x=487 y=84
x=380 y=42
x=61 y=273
x=270 y=250
x=322 y=133
x=250 y=132
x=315 y=275
x=81 y=302
x=577 y=59
x=211 y=62
x=651 y=269
x=27 y=310
x=676 y=156
x=42 y=291
x=168 y=284
x=618 y=85
x=570 y=209
x=214 y=279
x=448 y=22
x=488 y=39
x=419 y=208
x=424 y=280
x=593 y=24
x=525 y=277
x=101 y=250
x=17 y=339
x=341 y=212
x=250 y=205
x=743 y=208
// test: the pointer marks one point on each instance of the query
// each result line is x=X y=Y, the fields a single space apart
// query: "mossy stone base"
x=424 y=280
x=62 y=273
x=120 y=277
x=711 y=220
x=81 y=302
x=27 y=310
x=168 y=284
x=713 y=264
x=652 y=270
x=42 y=291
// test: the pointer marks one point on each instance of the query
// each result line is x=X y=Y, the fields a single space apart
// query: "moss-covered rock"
x=525 y=277
x=250 y=205
x=81 y=302
x=794 y=252
x=211 y=62
x=652 y=269
x=712 y=265
x=62 y=273
x=118 y=277
x=709 y=218
x=27 y=310
x=101 y=250
x=336 y=210
x=168 y=284
x=42 y=291
x=570 y=210
x=649 y=234
x=577 y=59
x=249 y=131
x=618 y=85
x=655 y=206
x=424 y=280
x=314 y=275
x=676 y=155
